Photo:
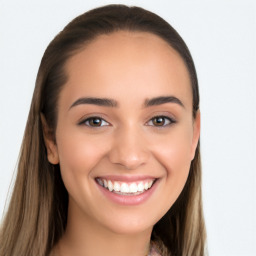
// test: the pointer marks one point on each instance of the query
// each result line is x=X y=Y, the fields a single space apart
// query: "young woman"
x=110 y=161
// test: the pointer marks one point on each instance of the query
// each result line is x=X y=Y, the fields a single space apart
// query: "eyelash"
x=94 y=118
x=165 y=118
x=87 y=120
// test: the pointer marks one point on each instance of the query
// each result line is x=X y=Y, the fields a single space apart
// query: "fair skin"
x=132 y=140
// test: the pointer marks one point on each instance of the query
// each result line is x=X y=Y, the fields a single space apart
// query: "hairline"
x=84 y=44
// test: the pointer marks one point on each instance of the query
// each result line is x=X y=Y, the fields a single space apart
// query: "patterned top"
x=154 y=251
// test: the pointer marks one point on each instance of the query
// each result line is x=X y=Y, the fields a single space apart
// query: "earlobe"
x=50 y=144
x=196 y=133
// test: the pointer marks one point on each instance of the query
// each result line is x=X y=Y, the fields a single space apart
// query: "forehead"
x=124 y=62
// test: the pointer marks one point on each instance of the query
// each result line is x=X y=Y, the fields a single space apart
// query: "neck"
x=84 y=236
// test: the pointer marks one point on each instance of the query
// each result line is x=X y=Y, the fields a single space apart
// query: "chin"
x=131 y=223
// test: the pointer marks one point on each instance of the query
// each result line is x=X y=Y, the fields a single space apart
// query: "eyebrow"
x=95 y=101
x=105 y=102
x=162 y=100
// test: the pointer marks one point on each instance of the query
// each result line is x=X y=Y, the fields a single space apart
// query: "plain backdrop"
x=222 y=38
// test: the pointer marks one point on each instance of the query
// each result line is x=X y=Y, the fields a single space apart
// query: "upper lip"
x=127 y=178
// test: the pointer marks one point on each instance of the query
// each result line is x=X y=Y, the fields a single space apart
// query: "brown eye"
x=95 y=122
x=160 y=121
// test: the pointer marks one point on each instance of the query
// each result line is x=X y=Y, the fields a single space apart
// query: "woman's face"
x=125 y=135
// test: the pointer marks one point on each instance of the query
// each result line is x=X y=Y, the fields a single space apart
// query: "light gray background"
x=222 y=38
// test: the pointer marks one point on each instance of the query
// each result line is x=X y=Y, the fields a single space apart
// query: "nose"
x=129 y=149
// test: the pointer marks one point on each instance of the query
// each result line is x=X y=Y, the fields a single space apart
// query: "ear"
x=49 y=141
x=196 y=133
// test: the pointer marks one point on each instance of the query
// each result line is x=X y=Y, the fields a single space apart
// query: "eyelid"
x=87 y=118
x=170 y=119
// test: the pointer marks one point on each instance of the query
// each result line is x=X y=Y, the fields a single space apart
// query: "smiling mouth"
x=126 y=188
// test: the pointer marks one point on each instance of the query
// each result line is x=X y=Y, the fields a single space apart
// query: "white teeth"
x=133 y=188
x=122 y=187
x=110 y=185
x=100 y=182
x=116 y=186
x=141 y=187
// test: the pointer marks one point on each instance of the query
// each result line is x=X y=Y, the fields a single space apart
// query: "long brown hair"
x=37 y=213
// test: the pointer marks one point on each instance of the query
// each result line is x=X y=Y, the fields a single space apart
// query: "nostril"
x=129 y=163
x=128 y=159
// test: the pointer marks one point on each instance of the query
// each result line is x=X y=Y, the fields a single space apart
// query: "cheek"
x=77 y=150
x=78 y=156
x=174 y=154
x=174 y=150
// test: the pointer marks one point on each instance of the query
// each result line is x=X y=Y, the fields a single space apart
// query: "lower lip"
x=128 y=199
